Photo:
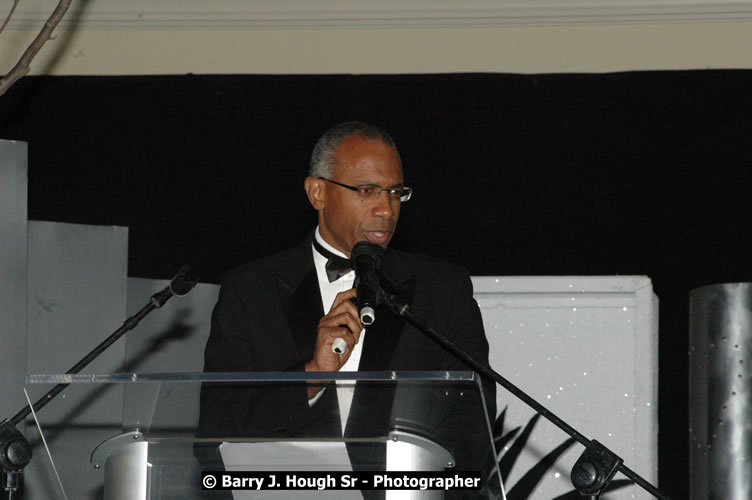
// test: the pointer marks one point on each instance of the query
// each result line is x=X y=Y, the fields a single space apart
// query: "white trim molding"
x=280 y=14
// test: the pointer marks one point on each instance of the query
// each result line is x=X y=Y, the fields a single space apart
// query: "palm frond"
x=525 y=486
x=510 y=457
x=502 y=441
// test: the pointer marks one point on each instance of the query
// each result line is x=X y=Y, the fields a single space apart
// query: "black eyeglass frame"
x=406 y=192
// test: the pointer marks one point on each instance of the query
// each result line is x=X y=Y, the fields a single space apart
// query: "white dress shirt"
x=329 y=291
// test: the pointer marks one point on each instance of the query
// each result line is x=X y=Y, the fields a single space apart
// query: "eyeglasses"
x=371 y=192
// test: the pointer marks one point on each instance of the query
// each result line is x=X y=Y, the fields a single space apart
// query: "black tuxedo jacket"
x=266 y=320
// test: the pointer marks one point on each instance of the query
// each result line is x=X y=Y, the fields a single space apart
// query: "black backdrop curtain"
x=626 y=173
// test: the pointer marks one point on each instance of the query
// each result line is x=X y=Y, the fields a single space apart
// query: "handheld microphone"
x=367 y=260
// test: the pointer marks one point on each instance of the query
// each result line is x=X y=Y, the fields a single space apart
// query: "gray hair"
x=322 y=158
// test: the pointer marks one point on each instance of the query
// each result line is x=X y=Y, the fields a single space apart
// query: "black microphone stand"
x=595 y=468
x=15 y=450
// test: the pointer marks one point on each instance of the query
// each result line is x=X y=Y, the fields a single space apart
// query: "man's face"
x=345 y=218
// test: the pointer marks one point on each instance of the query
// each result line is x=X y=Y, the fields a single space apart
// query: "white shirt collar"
x=320 y=239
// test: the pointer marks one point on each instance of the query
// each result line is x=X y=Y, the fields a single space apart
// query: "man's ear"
x=316 y=192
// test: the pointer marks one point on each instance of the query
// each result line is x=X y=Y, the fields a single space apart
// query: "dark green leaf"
x=501 y=442
x=510 y=457
x=498 y=428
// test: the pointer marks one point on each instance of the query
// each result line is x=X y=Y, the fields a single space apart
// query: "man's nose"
x=384 y=205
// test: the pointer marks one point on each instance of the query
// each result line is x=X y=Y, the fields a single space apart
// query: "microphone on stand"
x=183 y=282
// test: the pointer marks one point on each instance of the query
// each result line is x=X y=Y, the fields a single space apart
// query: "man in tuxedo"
x=286 y=311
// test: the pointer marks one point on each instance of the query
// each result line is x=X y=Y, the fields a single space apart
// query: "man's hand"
x=341 y=322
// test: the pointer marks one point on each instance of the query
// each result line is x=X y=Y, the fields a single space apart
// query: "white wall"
x=76 y=298
x=144 y=39
x=585 y=347
x=13 y=247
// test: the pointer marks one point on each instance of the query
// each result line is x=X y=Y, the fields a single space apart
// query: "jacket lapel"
x=382 y=338
x=301 y=298
x=305 y=313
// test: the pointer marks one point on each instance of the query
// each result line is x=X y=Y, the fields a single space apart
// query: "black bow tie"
x=336 y=266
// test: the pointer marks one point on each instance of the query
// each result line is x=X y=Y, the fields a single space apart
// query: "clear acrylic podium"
x=146 y=436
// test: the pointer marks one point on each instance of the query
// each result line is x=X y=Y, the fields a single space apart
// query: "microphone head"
x=368 y=250
x=183 y=282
